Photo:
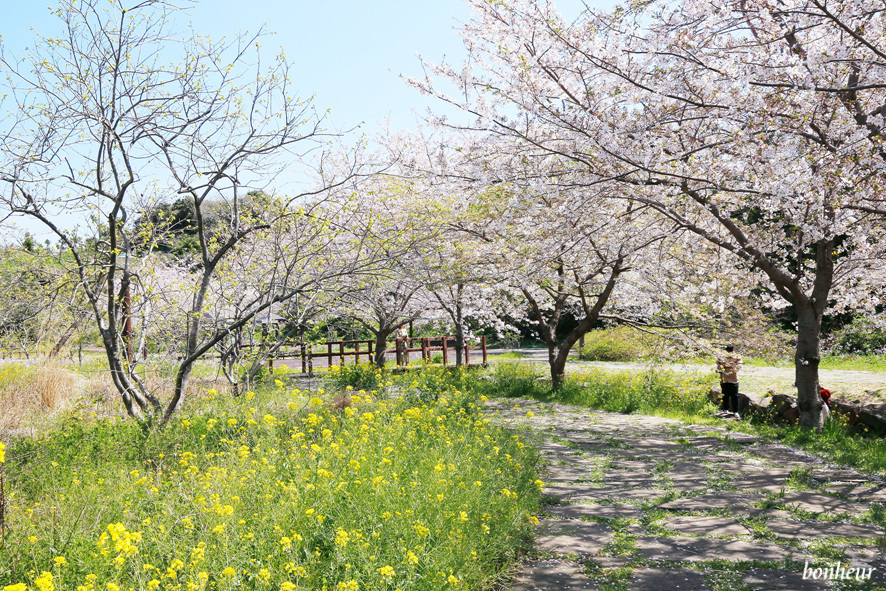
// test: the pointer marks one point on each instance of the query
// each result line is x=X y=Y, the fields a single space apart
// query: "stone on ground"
x=581 y=492
x=667 y=579
x=572 y=537
x=819 y=503
x=552 y=575
x=782 y=580
x=689 y=525
x=619 y=464
x=702 y=549
x=822 y=529
x=712 y=501
x=594 y=510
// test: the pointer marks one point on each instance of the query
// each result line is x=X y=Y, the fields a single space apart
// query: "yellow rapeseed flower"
x=341 y=537
x=2 y=460
x=44 y=582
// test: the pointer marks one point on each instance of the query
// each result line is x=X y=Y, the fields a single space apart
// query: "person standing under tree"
x=728 y=366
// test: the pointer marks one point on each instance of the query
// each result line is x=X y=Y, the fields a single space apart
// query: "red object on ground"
x=825 y=395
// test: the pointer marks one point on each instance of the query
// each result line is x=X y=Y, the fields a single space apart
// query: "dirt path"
x=651 y=504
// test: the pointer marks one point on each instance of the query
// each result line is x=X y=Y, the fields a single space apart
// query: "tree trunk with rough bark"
x=806 y=360
x=381 y=343
x=459 y=336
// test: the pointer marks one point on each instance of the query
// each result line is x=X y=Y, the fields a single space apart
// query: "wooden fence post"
x=445 y=351
x=483 y=344
x=310 y=362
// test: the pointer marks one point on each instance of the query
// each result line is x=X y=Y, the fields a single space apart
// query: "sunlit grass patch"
x=652 y=391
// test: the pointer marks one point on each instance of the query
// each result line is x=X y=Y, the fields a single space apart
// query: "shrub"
x=862 y=337
x=364 y=376
x=617 y=344
x=518 y=380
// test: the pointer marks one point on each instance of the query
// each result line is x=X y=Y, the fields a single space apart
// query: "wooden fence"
x=402 y=348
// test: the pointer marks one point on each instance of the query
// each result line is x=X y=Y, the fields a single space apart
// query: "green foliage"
x=279 y=490
x=14 y=374
x=365 y=376
x=860 y=337
x=518 y=380
x=616 y=344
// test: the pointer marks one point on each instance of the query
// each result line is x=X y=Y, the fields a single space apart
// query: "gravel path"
x=641 y=503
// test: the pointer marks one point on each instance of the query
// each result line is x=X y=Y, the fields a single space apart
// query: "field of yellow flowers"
x=279 y=489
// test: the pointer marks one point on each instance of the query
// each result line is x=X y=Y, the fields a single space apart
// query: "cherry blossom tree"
x=454 y=269
x=714 y=115
x=565 y=252
x=568 y=253
x=392 y=295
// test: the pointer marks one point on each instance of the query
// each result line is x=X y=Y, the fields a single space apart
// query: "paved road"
x=652 y=504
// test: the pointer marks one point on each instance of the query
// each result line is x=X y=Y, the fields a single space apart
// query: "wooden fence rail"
x=402 y=348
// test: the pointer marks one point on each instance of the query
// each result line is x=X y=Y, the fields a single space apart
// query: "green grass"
x=854 y=362
x=281 y=489
x=626 y=392
x=748 y=361
x=834 y=444
x=511 y=355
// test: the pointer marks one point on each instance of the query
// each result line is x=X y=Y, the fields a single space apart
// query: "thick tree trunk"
x=810 y=312
x=381 y=341
x=557 y=360
x=806 y=361
x=459 y=336
x=181 y=387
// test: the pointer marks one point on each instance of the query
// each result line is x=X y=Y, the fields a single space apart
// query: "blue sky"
x=348 y=54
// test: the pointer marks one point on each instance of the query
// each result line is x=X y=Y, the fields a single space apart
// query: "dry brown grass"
x=37 y=393
x=31 y=393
